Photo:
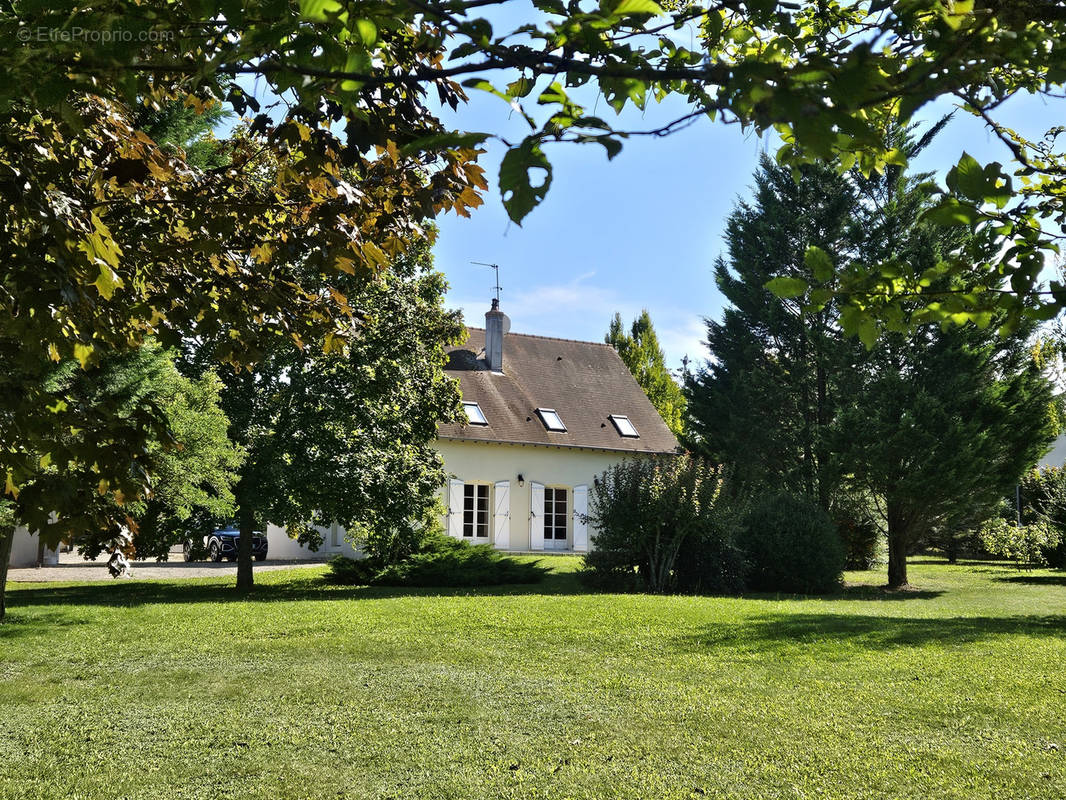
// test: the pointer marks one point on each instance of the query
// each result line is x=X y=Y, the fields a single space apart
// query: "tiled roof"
x=585 y=382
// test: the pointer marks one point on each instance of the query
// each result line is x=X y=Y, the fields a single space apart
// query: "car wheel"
x=215 y=552
x=186 y=550
x=261 y=557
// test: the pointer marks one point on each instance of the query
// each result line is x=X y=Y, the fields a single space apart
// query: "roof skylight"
x=475 y=414
x=624 y=426
x=552 y=421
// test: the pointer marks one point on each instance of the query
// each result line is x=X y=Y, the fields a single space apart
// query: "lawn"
x=176 y=690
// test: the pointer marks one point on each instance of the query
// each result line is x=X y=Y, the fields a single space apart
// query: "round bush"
x=791 y=545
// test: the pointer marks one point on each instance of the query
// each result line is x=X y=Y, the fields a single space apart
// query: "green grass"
x=178 y=690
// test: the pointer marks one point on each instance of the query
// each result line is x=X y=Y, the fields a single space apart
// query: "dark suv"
x=223 y=544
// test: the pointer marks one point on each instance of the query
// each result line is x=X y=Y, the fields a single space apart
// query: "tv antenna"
x=497 y=287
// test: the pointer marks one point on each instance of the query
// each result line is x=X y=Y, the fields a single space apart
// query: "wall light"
x=521 y=480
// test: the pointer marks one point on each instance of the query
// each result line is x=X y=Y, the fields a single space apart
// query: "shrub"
x=710 y=561
x=349 y=571
x=1043 y=495
x=1025 y=544
x=791 y=545
x=441 y=561
x=648 y=512
x=858 y=530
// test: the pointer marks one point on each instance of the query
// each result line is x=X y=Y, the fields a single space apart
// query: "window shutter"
x=536 y=516
x=501 y=518
x=455 y=509
x=581 y=527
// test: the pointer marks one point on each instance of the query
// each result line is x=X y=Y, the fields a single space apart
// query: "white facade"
x=24 y=550
x=517 y=480
x=282 y=548
x=1056 y=456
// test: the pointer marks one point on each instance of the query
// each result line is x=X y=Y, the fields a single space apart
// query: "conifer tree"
x=642 y=353
x=769 y=392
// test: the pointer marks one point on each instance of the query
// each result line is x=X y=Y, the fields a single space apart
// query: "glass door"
x=476 y=512
x=555 y=516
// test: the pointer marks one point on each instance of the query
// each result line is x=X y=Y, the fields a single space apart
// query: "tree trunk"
x=40 y=551
x=7 y=539
x=822 y=416
x=897 y=548
x=245 y=577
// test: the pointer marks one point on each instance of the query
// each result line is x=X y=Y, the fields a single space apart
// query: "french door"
x=555 y=516
x=476 y=512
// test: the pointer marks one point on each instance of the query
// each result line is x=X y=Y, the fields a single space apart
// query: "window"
x=624 y=426
x=335 y=535
x=475 y=414
x=555 y=514
x=476 y=511
x=551 y=420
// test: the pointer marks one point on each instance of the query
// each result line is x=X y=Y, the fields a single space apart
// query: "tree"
x=946 y=422
x=932 y=423
x=944 y=419
x=641 y=352
x=110 y=237
x=191 y=458
x=778 y=369
x=829 y=77
x=346 y=436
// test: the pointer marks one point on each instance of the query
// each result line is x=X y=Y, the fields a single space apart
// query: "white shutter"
x=536 y=516
x=455 y=509
x=501 y=518
x=581 y=528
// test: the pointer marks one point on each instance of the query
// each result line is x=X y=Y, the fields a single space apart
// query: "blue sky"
x=641 y=231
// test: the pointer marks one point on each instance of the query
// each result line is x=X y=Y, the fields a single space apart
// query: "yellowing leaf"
x=83 y=352
x=10 y=487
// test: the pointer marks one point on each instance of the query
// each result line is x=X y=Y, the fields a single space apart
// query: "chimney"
x=495 y=327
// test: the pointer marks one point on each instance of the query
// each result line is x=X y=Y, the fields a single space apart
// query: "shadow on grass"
x=130 y=593
x=834 y=635
x=869 y=591
x=1058 y=579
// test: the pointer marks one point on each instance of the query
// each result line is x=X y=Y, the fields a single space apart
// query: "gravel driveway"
x=73 y=567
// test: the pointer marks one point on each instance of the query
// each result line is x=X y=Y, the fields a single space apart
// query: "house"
x=25 y=550
x=545 y=416
x=1056 y=456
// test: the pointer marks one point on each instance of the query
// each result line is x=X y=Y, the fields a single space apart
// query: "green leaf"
x=520 y=195
x=638 y=7
x=444 y=141
x=951 y=212
x=819 y=263
x=967 y=178
x=484 y=86
x=368 y=31
x=868 y=332
x=107 y=282
x=520 y=87
x=785 y=287
x=320 y=10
